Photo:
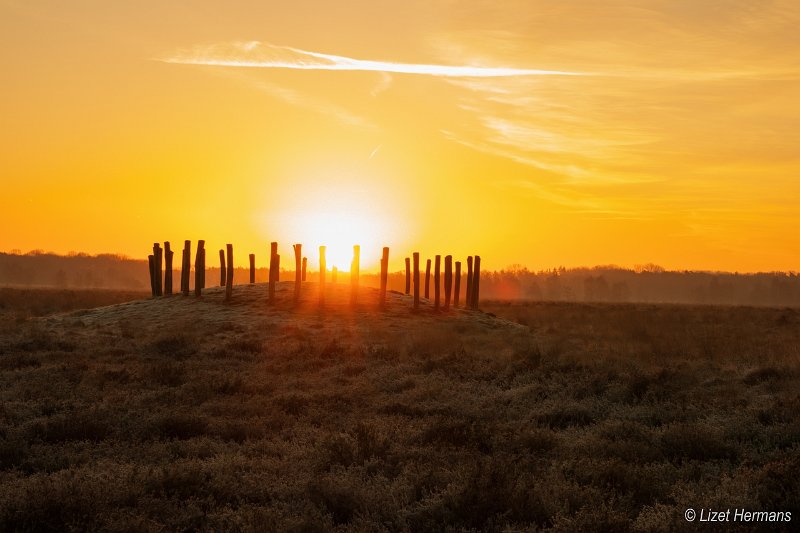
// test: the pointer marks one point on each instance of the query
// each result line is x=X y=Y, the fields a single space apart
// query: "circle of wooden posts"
x=161 y=279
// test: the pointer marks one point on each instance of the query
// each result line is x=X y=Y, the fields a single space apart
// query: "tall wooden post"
x=416 y=280
x=222 y=268
x=448 y=280
x=167 y=268
x=151 y=263
x=468 y=296
x=298 y=275
x=157 y=255
x=476 y=283
x=428 y=279
x=457 y=288
x=305 y=264
x=199 y=268
x=408 y=275
x=183 y=271
x=436 y=284
x=252 y=268
x=229 y=273
x=322 y=268
x=384 y=275
x=186 y=267
x=355 y=268
x=273 y=270
x=203 y=271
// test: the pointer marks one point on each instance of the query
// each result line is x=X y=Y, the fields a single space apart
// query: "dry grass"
x=594 y=417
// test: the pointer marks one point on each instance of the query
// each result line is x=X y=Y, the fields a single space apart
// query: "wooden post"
x=199 y=268
x=408 y=275
x=457 y=288
x=437 y=268
x=203 y=270
x=157 y=255
x=468 y=296
x=252 y=268
x=151 y=263
x=183 y=271
x=384 y=275
x=416 y=280
x=476 y=283
x=355 y=268
x=448 y=280
x=298 y=275
x=322 y=268
x=334 y=274
x=273 y=270
x=167 y=268
x=222 y=268
x=187 y=267
x=305 y=263
x=229 y=273
x=428 y=279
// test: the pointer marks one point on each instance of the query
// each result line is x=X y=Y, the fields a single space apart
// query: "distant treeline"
x=649 y=283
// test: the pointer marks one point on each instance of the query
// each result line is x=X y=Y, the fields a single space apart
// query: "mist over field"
x=644 y=283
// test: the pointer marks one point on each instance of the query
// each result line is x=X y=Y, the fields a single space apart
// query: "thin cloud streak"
x=255 y=54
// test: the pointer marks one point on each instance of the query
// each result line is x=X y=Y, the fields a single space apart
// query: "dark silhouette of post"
x=408 y=275
x=436 y=284
x=298 y=275
x=305 y=264
x=167 y=268
x=476 y=283
x=427 y=279
x=203 y=273
x=416 y=280
x=384 y=275
x=468 y=296
x=186 y=267
x=273 y=270
x=157 y=255
x=199 y=268
x=229 y=273
x=222 y=268
x=448 y=280
x=334 y=274
x=151 y=263
x=183 y=271
x=457 y=288
x=252 y=268
x=355 y=267
x=322 y=267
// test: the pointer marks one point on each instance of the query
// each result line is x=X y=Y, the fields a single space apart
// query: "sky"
x=530 y=132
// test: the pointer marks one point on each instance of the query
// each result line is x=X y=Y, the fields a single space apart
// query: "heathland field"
x=183 y=414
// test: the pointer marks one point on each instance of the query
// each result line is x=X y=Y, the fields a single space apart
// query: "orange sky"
x=543 y=133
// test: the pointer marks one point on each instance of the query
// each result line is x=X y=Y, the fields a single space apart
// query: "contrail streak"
x=264 y=55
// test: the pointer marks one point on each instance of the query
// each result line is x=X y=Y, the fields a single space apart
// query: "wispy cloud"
x=256 y=54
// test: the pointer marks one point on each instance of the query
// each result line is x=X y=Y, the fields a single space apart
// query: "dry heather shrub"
x=166 y=373
x=90 y=425
x=768 y=374
x=778 y=484
x=19 y=361
x=179 y=425
x=177 y=345
x=693 y=441
x=565 y=416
